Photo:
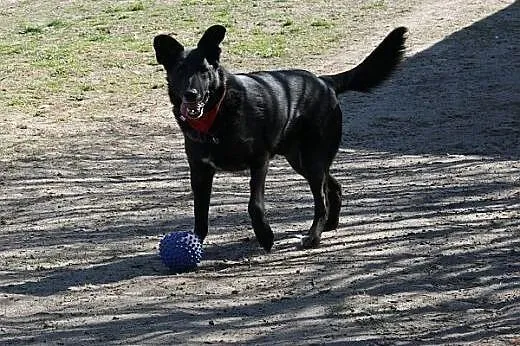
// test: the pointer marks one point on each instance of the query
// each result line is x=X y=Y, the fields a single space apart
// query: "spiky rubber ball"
x=180 y=251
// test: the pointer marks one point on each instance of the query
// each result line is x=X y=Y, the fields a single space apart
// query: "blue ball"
x=180 y=251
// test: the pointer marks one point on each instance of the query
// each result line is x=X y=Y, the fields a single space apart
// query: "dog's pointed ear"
x=210 y=41
x=167 y=49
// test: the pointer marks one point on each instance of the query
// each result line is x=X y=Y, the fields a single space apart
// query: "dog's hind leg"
x=256 y=207
x=312 y=159
x=317 y=181
x=312 y=168
x=334 y=200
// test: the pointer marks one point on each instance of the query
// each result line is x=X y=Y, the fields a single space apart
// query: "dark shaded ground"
x=461 y=96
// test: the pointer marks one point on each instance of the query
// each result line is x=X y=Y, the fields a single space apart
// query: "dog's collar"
x=204 y=123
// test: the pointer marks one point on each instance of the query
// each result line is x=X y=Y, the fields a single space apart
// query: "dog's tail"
x=375 y=68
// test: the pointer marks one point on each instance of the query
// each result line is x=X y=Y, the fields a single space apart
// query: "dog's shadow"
x=459 y=96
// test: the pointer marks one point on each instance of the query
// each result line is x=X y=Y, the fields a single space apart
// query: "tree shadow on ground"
x=106 y=272
x=342 y=314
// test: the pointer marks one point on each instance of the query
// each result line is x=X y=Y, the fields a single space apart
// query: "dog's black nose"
x=191 y=95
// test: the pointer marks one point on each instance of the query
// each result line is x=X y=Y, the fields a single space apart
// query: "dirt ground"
x=427 y=251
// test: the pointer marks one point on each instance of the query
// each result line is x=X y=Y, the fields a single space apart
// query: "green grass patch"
x=131 y=7
x=261 y=44
x=322 y=23
x=78 y=50
x=136 y=6
x=375 y=5
x=31 y=29
x=57 y=23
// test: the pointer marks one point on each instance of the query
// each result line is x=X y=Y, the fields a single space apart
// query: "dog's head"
x=192 y=74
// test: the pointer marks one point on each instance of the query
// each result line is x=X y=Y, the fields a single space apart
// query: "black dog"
x=240 y=121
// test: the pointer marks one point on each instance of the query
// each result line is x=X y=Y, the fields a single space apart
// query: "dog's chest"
x=225 y=155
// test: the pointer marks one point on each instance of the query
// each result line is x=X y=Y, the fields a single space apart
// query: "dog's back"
x=279 y=102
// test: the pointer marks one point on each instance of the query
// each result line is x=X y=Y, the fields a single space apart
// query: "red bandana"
x=204 y=123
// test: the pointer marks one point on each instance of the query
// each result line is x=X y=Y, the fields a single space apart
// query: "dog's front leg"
x=256 y=207
x=201 y=176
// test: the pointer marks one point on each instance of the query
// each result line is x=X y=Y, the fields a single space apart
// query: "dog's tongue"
x=191 y=110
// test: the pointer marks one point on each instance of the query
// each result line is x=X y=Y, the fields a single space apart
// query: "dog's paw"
x=310 y=242
x=266 y=242
x=332 y=224
x=264 y=235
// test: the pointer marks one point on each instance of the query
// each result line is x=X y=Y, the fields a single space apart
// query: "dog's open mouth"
x=194 y=109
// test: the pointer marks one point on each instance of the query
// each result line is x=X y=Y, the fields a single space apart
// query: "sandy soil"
x=428 y=248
